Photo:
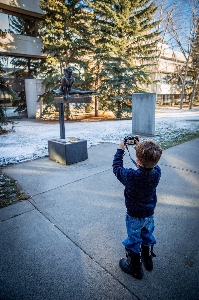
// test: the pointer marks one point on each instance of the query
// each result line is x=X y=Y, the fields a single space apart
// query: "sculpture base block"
x=67 y=152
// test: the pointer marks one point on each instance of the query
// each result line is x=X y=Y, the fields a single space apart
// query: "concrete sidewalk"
x=65 y=241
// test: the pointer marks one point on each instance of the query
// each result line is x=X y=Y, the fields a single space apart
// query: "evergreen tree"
x=64 y=31
x=125 y=38
x=110 y=43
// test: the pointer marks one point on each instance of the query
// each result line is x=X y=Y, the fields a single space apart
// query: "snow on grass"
x=29 y=140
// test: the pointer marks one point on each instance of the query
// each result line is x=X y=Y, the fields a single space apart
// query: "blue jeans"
x=140 y=231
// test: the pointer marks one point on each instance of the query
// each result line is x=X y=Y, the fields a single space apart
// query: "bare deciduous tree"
x=179 y=26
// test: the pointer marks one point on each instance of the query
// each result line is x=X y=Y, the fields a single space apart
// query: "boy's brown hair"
x=149 y=153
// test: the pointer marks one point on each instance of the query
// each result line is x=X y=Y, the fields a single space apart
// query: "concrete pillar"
x=34 y=108
x=143 y=113
x=40 y=91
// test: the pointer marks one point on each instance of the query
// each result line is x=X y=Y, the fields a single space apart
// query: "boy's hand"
x=121 y=145
x=137 y=139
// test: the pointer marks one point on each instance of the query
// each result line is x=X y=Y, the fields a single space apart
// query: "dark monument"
x=66 y=90
x=68 y=151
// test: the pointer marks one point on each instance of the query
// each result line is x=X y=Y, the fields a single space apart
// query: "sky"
x=29 y=139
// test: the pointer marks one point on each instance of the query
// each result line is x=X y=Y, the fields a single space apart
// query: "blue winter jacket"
x=140 y=186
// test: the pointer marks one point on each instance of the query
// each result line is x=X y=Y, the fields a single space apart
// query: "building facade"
x=170 y=62
x=20 y=20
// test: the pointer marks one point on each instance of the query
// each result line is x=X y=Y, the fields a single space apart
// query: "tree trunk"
x=96 y=106
x=172 y=100
x=183 y=83
x=194 y=91
x=97 y=82
x=67 y=110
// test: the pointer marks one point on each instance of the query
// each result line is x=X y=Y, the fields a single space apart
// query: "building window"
x=20 y=67
x=19 y=24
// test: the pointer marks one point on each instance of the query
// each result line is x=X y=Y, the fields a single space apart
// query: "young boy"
x=140 y=200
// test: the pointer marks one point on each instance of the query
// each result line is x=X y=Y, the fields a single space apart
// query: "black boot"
x=147 y=255
x=132 y=264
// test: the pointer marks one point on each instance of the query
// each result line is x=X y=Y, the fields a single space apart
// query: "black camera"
x=130 y=140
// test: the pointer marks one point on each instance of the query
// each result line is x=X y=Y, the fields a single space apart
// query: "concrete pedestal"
x=143 y=113
x=33 y=88
x=67 y=152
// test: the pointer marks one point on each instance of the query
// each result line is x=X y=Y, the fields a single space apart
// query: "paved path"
x=65 y=241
